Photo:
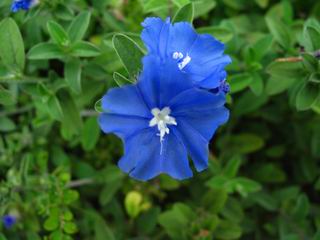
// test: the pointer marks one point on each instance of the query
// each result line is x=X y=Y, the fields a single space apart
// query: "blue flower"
x=9 y=220
x=199 y=55
x=162 y=119
x=22 y=5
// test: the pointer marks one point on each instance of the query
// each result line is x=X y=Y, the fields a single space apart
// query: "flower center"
x=161 y=119
x=182 y=61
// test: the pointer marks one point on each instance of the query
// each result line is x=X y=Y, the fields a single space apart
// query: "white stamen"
x=162 y=119
x=184 y=62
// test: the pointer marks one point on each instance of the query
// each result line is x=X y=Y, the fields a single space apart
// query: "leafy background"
x=59 y=174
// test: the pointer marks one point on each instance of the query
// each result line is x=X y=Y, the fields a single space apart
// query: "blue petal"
x=122 y=125
x=182 y=36
x=144 y=159
x=198 y=114
x=195 y=101
x=155 y=35
x=126 y=100
x=161 y=81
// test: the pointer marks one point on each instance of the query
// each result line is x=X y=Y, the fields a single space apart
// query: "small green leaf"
x=6 y=97
x=221 y=33
x=228 y=230
x=73 y=75
x=70 y=196
x=54 y=108
x=98 y=106
x=309 y=93
x=71 y=122
x=310 y=62
x=302 y=207
x=79 y=26
x=85 y=49
x=262 y=47
x=70 y=227
x=313 y=35
x=6 y=124
x=244 y=185
x=120 y=79
x=90 y=134
x=239 y=82
x=280 y=31
x=256 y=84
x=232 y=167
x=129 y=53
x=11 y=45
x=57 y=33
x=184 y=14
x=285 y=69
x=45 y=51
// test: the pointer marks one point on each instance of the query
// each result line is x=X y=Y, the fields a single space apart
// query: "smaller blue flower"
x=9 y=220
x=199 y=55
x=22 y=5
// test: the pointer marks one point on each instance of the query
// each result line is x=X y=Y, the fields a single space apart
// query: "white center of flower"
x=162 y=119
x=182 y=61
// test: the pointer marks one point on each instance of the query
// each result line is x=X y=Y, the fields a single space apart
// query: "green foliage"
x=58 y=171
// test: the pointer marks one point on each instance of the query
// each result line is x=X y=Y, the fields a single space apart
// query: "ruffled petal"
x=122 y=125
x=126 y=100
x=145 y=158
x=161 y=81
x=182 y=36
x=155 y=35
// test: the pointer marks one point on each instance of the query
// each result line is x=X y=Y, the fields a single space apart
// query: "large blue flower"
x=161 y=120
x=22 y=5
x=199 y=55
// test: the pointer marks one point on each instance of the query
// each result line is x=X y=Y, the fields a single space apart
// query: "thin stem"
x=297 y=59
x=80 y=182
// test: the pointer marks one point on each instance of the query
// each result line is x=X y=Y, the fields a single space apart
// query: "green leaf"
x=85 y=49
x=239 y=82
x=276 y=85
x=301 y=209
x=243 y=185
x=11 y=45
x=280 y=32
x=184 y=14
x=71 y=121
x=262 y=3
x=73 y=75
x=285 y=69
x=6 y=124
x=221 y=33
x=54 y=108
x=70 y=196
x=79 y=26
x=129 y=53
x=232 y=167
x=98 y=106
x=45 y=51
x=245 y=143
x=262 y=47
x=313 y=36
x=108 y=192
x=227 y=230
x=90 y=134
x=256 y=84
x=70 y=227
x=6 y=97
x=57 y=33
x=120 y=79
x=309 y=93
x=270 y=173
x=310 y=62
